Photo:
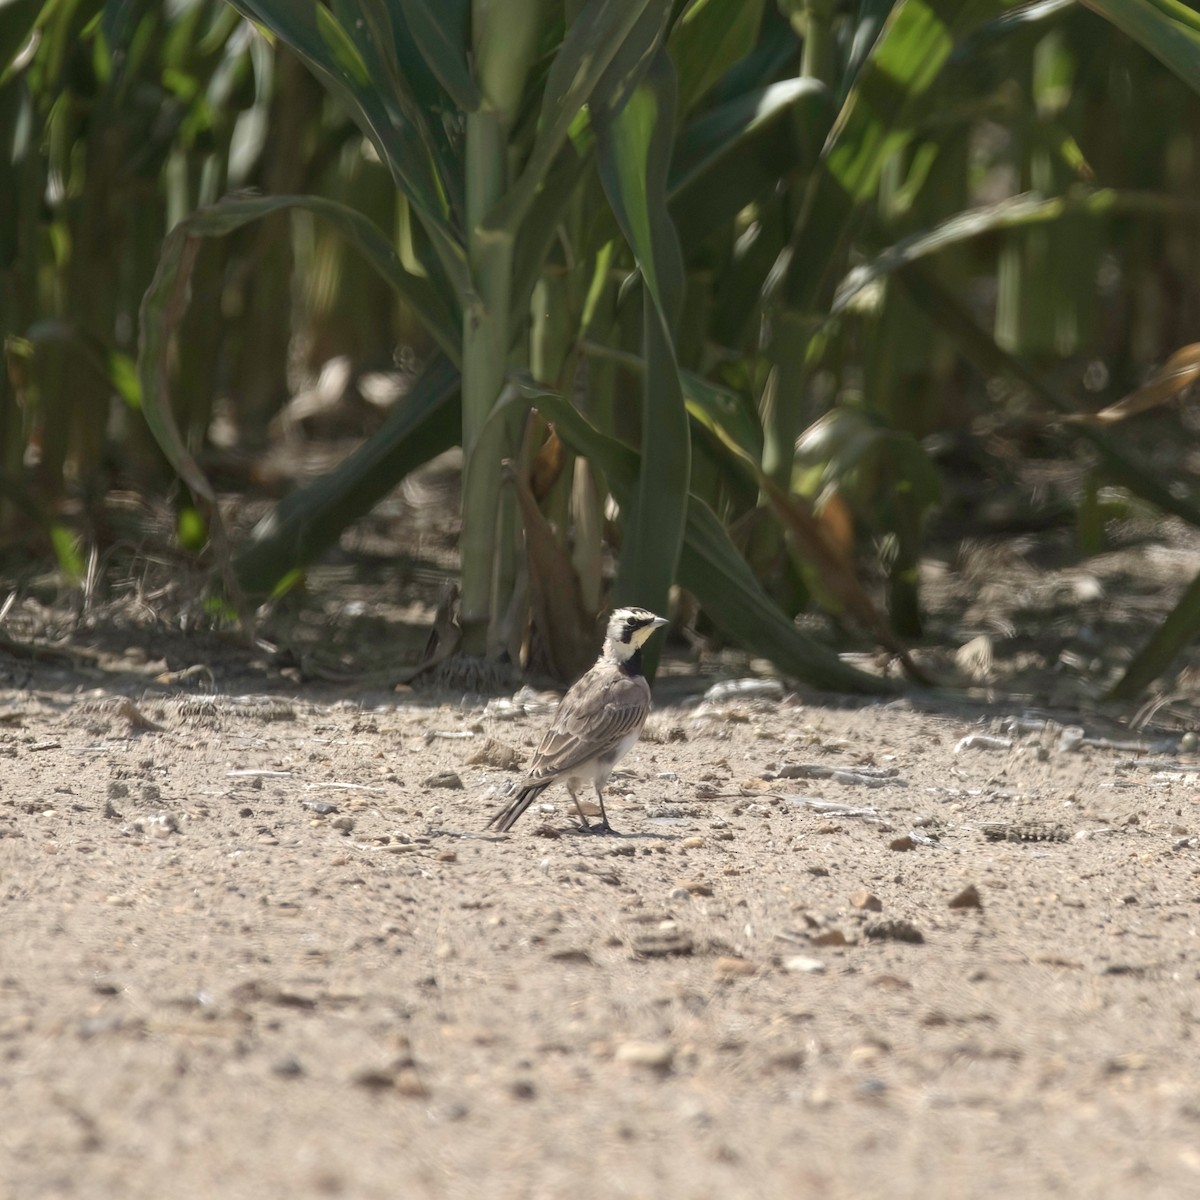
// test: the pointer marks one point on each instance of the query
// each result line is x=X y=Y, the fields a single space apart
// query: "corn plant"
x=499 y=125
x=115 y=119
x=797 y=180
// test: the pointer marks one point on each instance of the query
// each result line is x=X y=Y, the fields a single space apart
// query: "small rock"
x=866 y=1053
x=374 y=1080
x=695 y=887
x=819 y=872
x=1189 y=742
x=679 y=893
x=323 y=808
x=731 y=967
x=159 y=824
x=522 y=1089
x=444 y=779
x=692 y=843
x=867 y=900
x=1071 y=738
x=800 y=965
x=669 y=812
x=744 y=689
x=893 y=930
x=409 y=1083
x=968 y=898
x=786 y=1060
x=343 y=824
x=289 y=1067
x=982 y=741
x=902 y=843
x=830 y=937
x=447 y=856
x=572 y=954
x=661 y=943
x=655 y=1056
x=496 y=754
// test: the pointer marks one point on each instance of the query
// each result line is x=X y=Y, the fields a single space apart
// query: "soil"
x=258 y=943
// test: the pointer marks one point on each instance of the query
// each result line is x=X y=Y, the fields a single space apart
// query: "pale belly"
x=597 y=771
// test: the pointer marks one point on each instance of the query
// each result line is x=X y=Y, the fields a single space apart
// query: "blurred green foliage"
x=775 y=251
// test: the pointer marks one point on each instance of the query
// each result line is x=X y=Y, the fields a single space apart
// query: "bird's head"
x=628 y=629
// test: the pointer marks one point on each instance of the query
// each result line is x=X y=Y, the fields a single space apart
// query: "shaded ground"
x=257 y=944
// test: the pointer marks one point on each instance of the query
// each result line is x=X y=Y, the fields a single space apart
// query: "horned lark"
x=596 y=724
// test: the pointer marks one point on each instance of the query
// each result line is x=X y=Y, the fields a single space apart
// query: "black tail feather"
x=506 y=817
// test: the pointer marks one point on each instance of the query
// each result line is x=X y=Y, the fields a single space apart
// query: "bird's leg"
x=604 y=826
x=582 y=816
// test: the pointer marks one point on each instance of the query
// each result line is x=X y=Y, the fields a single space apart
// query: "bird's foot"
x=599 y=827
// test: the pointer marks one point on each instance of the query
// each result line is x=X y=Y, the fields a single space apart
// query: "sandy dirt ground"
x=263 y=947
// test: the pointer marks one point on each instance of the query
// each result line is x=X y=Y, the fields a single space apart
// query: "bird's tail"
x=506 y=817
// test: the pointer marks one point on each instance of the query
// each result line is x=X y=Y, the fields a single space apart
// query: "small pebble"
x=1071 y=738
x=894 y=930
x=496 y=754
x=867 y=900
x=902 y=843
x=159 y=824
x=731 y=967
x=968 y=898
x=800 y=965
x=656 y=1056
x=444 y=779
x=831 y=937
x=692 y=843
x=408 y=1083
x=343 y=824
x=982 y=741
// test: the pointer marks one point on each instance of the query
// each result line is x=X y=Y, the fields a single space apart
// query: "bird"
x=596 y=723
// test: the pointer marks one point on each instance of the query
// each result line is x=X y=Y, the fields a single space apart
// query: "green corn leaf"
x=67 y=550
x=710 y=565
x=305 y=524
x=361 y=71
x=1168 y=29
x=438 y=27
x=162 y=309
x=708 y=39
x=1175 y=633
x=720 y=407
x=874 y=124
x=1017 y=212
x=739 y=151
x=634 y=149
x=17 y=20
x=602 y=31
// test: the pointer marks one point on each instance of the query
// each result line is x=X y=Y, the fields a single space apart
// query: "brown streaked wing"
x=589 y=721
